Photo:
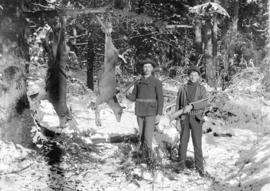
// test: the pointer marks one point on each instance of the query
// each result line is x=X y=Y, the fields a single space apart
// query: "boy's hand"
x=178 y=126
x=188 y=108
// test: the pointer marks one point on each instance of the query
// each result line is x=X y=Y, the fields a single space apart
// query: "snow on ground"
x=239 y=162
x=86 y=118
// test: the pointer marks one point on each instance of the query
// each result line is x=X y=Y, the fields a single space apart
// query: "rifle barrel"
x=181 y=111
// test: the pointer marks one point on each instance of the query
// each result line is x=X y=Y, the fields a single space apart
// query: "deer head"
x=105 y=26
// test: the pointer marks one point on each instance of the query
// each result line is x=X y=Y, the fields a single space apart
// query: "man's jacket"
x=198 y=108
x=148 y=97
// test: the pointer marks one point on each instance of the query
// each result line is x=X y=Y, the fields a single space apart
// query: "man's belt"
x=146 y=100
x=197 y=111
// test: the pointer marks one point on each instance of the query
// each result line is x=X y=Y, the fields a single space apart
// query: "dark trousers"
x=190 y=123
x=146 y=130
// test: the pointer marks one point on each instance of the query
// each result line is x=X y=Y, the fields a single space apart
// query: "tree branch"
x=178 y=26
x=75 y=12
x=165 y=42
x=143 y=35
x=17 y=171
x=64 y=12
x=43 y=6
x=77 y=36
x=81 y=44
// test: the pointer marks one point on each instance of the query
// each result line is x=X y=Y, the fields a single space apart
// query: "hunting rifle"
x=180 y=112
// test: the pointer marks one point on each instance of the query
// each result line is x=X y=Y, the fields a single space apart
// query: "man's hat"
x=195 y=69
x=149 y=61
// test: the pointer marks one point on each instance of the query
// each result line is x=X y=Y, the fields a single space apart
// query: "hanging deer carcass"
x=107 y=79
x=56 y=80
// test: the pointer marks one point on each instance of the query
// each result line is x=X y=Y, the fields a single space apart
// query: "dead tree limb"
x=17 y=171
x=63 y=12
x=178 y=26
x=77 y=36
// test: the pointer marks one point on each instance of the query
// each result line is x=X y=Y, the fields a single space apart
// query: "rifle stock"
x=176 y=114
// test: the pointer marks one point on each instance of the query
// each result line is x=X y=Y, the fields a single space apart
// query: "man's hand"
x=157 y=120
x=188 y=108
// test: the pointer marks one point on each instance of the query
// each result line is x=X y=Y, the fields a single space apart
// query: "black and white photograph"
x=134 y=95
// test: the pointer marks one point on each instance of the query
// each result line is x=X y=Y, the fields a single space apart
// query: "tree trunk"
x=235 y=17
x=198 y=32
x=208 y=49
x=266 y=79
x=16 y=121
x=215 y=48
x=15 y=117
x=198 y=37
x=230 y=53
x=90 y=64
x=269 y=28
x=24 y=49
x=141 y=6
x=215 y=36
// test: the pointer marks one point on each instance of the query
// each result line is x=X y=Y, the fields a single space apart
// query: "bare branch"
x=77 y=36
x=64 y=12
x=149 y=34
x=43 y=6
x=200 y=59
x=75 y=12
x=165 y=42
x=17 y=171
x=101 y=23
x=81 y=44
x=178 y=26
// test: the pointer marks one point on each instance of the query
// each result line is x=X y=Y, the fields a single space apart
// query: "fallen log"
x=133 y=138
x=222 y=134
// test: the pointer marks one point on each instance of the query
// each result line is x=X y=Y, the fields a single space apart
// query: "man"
x=148 y=97
x=193 y=119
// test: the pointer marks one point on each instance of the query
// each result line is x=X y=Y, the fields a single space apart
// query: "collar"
x=190 y=83
x=146 y=80
x=186 y=85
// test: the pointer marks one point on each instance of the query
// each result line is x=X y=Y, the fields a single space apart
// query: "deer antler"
x=122 y=56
